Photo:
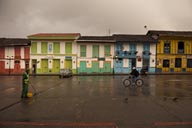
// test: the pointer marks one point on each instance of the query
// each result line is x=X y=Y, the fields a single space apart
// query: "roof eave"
x=107 y=41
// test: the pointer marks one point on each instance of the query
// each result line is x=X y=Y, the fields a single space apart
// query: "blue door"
x=146 y=55
x=118 y=66
x=132 y=63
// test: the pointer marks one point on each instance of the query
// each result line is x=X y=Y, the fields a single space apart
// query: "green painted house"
x=51 y=52
x=95 y=54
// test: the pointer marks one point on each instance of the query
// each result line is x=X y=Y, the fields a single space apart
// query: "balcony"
x=146 y=54
x=126 y=54
x=180 y=51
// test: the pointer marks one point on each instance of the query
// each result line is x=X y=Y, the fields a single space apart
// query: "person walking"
x=25 y=84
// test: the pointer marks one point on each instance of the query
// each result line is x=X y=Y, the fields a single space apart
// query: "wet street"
x=164 y=101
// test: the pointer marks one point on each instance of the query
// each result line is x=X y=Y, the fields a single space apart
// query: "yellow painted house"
x=174 y=51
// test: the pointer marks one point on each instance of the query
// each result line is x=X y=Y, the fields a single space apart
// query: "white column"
x=62 y=47
x=101 y=50
x=74 y=58
x=125 y=63
x=39 y=47
x=89 y=50
x=22 y=62
x=153 y=54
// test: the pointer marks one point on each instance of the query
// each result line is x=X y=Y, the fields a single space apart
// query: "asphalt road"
x=164 y=101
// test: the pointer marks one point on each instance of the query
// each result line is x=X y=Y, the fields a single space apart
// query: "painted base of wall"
x=91 y=70
x=173 y=70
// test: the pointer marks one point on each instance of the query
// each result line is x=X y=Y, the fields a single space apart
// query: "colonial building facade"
x=174 y=51
x=51 y=52
x=134 y=51
x=14 y=55
x=95 y=54
x=47 y=53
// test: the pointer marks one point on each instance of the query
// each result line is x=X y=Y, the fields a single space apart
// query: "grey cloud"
x=92 y=17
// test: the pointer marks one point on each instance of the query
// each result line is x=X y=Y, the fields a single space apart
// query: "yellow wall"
x=173 y=54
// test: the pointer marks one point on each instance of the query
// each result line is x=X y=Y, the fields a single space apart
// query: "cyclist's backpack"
x=136 y=73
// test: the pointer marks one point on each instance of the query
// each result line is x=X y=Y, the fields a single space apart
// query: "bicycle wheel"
x=127 y=82
x=139 y=82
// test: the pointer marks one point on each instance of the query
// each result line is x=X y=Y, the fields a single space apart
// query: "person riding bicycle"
x=134 y=73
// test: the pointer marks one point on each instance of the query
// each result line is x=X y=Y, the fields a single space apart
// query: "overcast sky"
x=20 y=18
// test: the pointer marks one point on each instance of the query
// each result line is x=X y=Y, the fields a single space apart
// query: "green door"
x=56 y=66
x=44 y=65
x=68 y=64
x=95 y=67
x=82 y=68
x=107 y=67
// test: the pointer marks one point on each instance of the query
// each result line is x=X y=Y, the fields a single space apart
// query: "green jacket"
x=25 y=78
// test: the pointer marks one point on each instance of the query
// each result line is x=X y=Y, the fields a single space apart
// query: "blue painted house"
x=134 y=51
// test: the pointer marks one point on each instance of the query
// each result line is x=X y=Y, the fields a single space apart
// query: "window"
x=167 y=47
x=189 y=63
x=107 y=50
x=166 y=63
x=132 y=48
x=34 y=47
x=68 y=48
x=146 y=47
x=44 y=47
x=181 y=47
x=177 y=62
x=95 y=51
x=82 y=50
x=56 y=47
x=50 y=47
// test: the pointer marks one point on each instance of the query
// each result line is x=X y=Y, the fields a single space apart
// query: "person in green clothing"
x=25 y=84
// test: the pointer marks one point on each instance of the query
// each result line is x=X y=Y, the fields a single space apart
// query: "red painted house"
x=14 y=55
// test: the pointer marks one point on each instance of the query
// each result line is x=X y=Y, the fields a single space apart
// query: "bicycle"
x=131 y=80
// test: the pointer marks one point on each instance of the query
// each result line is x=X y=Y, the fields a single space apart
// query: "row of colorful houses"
x=47 y=53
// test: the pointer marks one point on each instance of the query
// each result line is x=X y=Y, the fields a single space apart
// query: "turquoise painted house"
x=95 y=54
x=134 y=51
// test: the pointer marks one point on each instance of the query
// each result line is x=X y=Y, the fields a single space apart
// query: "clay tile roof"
x=14 y=42
x=133 y=38
x=54 y=34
